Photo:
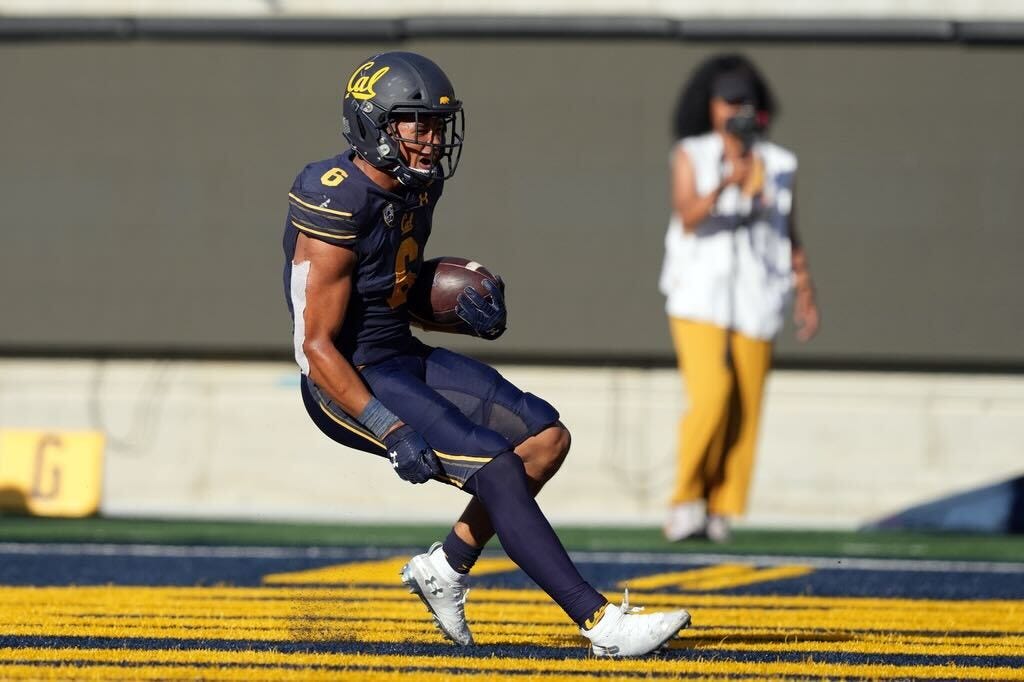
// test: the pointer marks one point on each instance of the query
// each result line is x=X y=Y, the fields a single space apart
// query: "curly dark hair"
x=692 y=115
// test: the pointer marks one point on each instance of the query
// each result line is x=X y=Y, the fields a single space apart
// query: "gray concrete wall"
x=215 y=439
x=143 y=189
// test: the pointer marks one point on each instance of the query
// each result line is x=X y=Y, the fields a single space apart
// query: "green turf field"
x=887 y=544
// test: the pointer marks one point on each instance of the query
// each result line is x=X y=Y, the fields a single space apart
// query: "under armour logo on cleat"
x=432 y=585
x=394 y=458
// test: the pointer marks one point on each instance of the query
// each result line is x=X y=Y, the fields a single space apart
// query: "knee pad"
x=537 y=413
x=539 y=410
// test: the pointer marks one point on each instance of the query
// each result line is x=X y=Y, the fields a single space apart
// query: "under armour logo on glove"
x=486 y=316
x=412 y=458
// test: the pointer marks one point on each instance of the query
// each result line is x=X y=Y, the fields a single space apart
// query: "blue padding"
x=995 y=508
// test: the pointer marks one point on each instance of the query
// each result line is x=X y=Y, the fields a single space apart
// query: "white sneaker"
x=445 y=598
x=718 y=529
x=623 y=631
x=685 y=521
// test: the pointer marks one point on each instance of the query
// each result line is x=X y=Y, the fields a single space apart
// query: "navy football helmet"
x=395 y=86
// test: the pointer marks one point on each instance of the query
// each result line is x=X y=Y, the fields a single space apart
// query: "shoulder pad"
x=322 y=206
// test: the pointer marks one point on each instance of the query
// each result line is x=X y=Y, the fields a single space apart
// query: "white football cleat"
x=623 y=631
x=444 y=598
x=684 y=521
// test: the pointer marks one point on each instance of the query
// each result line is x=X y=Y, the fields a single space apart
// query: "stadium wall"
x=143 y=182
x=231 y=440
x=733 y=9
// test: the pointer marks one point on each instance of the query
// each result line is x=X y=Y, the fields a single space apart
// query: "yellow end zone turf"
x=110 y=664
x=371 y=572
x=200 y=620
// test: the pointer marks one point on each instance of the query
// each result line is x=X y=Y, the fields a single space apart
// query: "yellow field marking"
x=383 y=572
x=110 y=673
x=680 y=579
x=858 y=620
x=417 y=628
x=35 y=609
x=114 y=599
x=720 y=577
x=763 y=575
x=722 y=623
x=178 y=664
x=12 y=597
x=782 y=640
x=937 y=639
x=379 y=612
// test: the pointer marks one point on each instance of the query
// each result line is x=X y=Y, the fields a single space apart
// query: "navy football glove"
x=485 y=316
x=411 y=456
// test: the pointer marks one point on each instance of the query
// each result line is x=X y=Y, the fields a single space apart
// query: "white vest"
x=735 y=270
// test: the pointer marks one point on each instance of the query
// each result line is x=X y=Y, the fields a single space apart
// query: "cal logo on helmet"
x=360 y=85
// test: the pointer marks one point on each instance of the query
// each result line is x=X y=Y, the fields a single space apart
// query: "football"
x=440 y=281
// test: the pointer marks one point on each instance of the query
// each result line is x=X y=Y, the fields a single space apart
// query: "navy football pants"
x=465 y=410
x=470 y=415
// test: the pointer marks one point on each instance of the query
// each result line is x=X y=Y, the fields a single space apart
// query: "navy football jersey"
x=335 y=202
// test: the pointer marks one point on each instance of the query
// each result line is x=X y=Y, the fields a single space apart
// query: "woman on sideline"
x=732 y=262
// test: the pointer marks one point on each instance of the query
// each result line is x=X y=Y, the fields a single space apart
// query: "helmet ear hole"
x=362 y=128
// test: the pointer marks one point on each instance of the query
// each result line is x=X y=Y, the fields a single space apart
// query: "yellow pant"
x=724 y=373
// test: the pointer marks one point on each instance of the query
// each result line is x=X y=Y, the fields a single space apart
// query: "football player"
x=354 y=239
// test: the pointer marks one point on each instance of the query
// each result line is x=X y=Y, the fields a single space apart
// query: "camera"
x=746 y=125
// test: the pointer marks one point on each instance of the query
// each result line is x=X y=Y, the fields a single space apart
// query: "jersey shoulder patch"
x=321 y=204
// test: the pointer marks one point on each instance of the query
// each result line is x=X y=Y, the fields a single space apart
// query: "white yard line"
x=352 y=553
x=193 y=551
x=837 y=563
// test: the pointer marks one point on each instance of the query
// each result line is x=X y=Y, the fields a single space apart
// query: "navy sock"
x=527 y=537
x=461 y=556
